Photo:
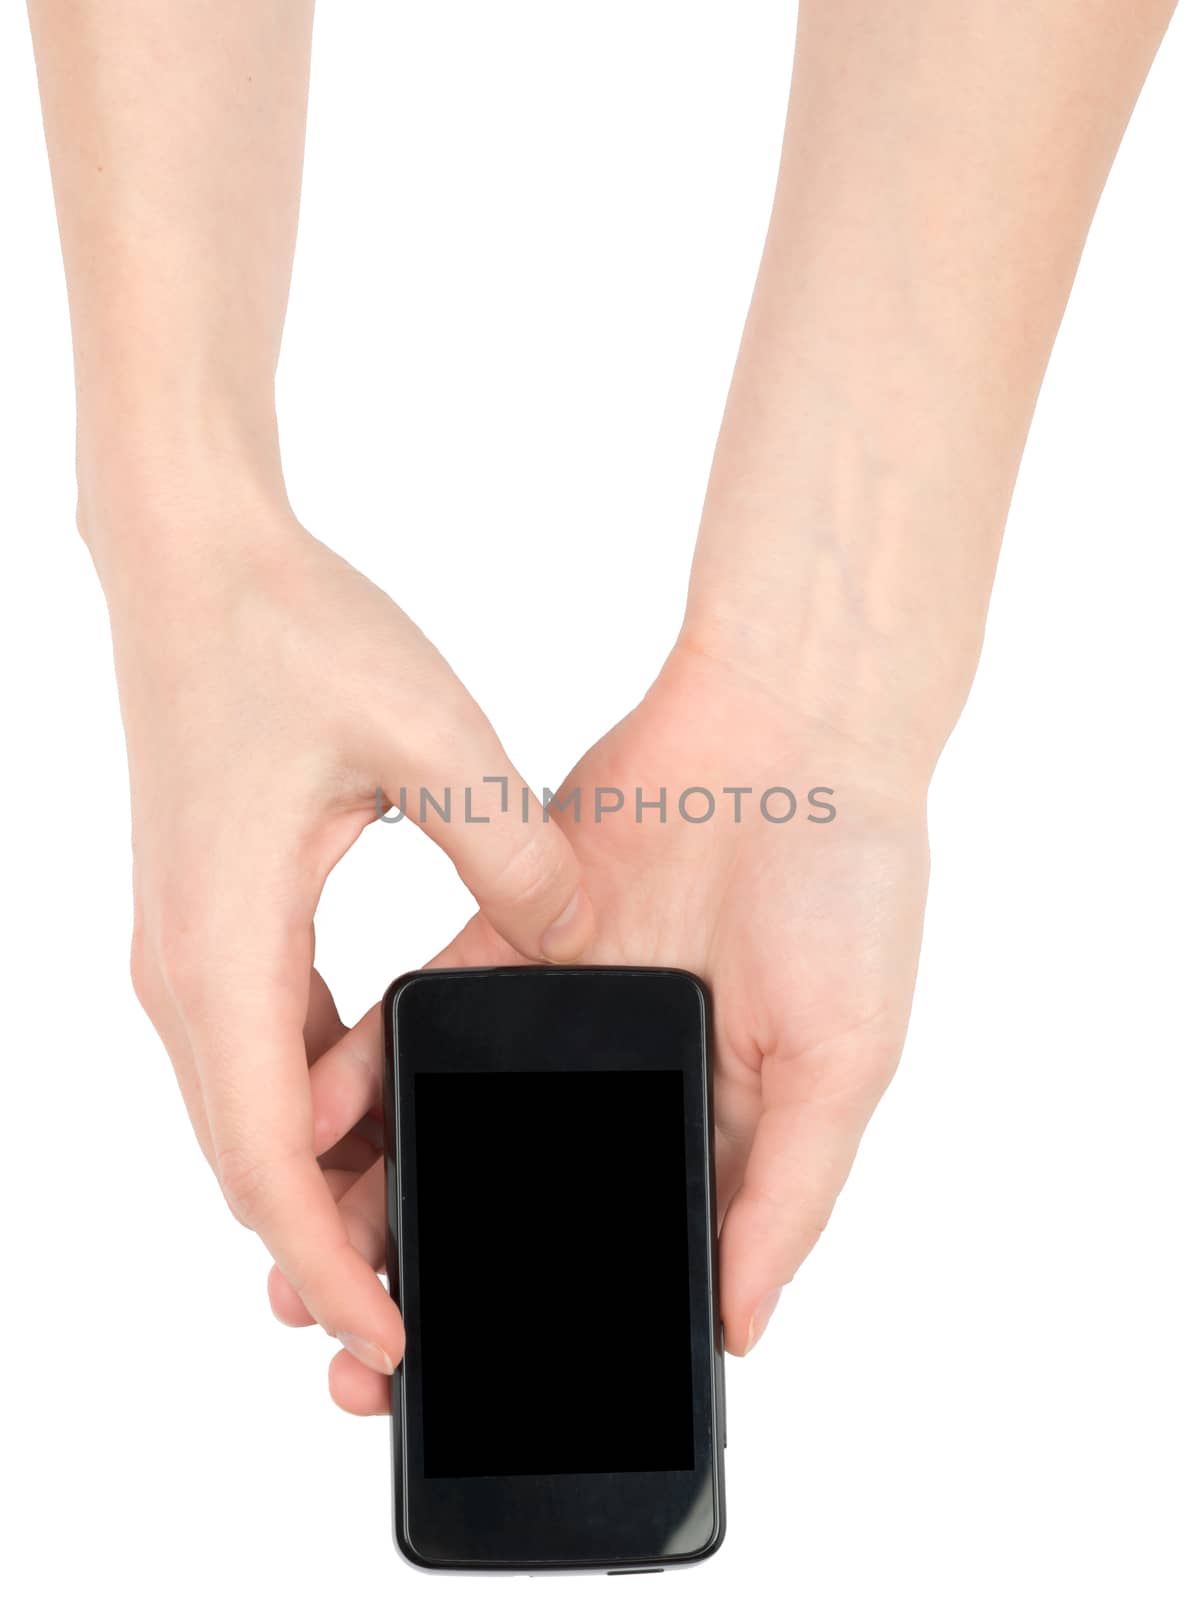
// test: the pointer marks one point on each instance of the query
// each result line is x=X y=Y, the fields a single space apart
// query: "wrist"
x=192 y=491
x=883 y=681
x=170 y=545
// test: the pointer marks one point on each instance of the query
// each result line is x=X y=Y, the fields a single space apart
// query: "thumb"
x=508 y=848
x=800 y=1156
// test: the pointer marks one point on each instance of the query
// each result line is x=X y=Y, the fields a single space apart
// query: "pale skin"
x=941 y=165
x=266 y=687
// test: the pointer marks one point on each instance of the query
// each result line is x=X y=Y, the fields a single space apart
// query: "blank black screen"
x=553 y=1272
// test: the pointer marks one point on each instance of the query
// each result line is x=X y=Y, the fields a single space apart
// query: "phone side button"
x=722 y=1385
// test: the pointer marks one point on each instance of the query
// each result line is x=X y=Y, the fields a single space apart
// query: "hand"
x=267 y=689
x=808 y=934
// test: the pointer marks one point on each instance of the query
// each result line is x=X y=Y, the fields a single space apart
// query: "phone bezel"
x=599 y=1019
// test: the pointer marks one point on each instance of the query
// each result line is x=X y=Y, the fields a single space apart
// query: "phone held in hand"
x=552 y=1248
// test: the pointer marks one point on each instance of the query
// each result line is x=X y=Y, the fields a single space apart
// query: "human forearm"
x=940 y=169
x=269 y=692
x=175 y=136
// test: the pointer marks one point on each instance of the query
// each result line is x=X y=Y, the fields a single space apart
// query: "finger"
x=477 y=945
x=514 y=858
x=357 y=1151
x=363 y=1211
x=361 y=1199
x=323 y=1025
x=284 y=1199
x=353 y=1388
x=152 y=995
x=801 y=1154
x=737 y=1112
x=287 y=1305
x=192 y=1095
x=252 y=1064
x=345 y=1083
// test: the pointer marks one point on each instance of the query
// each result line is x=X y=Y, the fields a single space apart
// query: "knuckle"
x=444 y=731
x=243 y=1176
x=813 y=1222
x=530 y=880
x=184 y=966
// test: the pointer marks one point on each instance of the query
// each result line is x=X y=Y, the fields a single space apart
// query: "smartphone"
x=552 y=1248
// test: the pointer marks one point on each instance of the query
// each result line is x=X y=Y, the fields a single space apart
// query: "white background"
x=529 y=234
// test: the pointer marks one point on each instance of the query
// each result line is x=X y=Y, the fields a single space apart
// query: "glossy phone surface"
x=552 y=1249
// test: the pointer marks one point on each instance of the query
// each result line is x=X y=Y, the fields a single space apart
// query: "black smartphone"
x=551 y=1205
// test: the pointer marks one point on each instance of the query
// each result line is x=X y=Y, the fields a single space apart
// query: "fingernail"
x=370 y=1354
x=566 y=937
x=756 y=1324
